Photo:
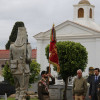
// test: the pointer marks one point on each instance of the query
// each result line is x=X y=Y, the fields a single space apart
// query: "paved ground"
x=32 y=95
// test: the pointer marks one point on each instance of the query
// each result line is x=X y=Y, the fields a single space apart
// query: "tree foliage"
x=34 y=70
x=14 y=32
x=7 y=74
x=34 y=73
x=72 y=56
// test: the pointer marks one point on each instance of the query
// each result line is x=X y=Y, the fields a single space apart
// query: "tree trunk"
x=65 y=91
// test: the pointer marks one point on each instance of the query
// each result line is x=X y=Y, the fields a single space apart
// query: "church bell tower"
x=84 y=11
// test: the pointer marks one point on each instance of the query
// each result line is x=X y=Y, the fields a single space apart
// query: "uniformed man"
x=20 y=57
x=43 y=93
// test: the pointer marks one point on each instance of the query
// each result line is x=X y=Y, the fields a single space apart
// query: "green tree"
x=13 y=35
x=34 y=70
x=72 y=56
x=34 y=73
x=7 y=74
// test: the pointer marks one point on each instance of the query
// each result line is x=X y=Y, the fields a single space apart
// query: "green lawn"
x=14 y=99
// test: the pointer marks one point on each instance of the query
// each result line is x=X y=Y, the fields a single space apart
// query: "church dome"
x=84 y=2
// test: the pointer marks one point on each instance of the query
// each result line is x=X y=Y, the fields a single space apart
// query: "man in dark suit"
x=94 y=85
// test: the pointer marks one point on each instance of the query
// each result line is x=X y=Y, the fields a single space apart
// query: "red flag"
x=53 y=56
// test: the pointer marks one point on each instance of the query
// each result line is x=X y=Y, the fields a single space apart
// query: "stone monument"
x=20 y=57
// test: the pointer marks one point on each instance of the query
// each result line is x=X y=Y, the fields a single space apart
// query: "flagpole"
x=49 y=68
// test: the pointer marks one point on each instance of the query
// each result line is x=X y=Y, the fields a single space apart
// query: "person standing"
x=79 y=86
x=43 y=85
x=43 y=93
x=94 y=85
x=91 y=74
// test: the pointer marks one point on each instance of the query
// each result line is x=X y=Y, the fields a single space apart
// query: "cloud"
x=37 y=15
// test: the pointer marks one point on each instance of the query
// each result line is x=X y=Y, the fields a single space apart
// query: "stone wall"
x=56 y=92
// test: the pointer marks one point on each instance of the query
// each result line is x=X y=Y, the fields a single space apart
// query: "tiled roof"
x=34 y=52
x=4 y=54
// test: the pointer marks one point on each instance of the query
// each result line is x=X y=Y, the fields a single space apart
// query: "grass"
x=14 y=99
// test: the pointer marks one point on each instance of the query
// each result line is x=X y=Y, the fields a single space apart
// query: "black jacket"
x=93 y=86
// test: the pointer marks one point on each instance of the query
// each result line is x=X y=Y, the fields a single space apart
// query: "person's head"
x=91 y=71
x=96 y=71
x=43 y=73
x=79 y=73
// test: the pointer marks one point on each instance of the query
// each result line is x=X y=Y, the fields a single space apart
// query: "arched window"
x=80 y=13
x=90 y=13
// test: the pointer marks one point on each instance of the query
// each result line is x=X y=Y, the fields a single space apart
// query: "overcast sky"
x=37 y=15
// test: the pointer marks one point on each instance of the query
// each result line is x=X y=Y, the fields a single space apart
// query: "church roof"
x=88 y=24
x=66 y=29
x=84 y=2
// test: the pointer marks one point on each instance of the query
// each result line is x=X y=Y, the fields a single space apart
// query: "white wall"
x=92 y=46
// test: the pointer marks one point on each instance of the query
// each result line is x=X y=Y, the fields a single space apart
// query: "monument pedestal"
x=56 y=92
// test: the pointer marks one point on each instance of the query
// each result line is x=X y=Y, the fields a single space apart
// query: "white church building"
x=82 y=29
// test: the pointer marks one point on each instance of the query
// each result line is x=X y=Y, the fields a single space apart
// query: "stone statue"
x=20 y=57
